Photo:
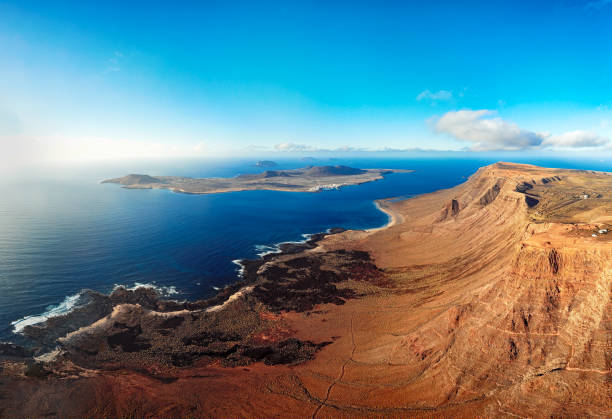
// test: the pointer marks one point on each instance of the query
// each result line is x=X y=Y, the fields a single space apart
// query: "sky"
x=83 y=81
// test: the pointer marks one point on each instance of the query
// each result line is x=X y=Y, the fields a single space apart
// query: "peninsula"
x=490 y=299
x=307 y=179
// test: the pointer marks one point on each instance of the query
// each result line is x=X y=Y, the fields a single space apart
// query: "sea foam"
x=162 y=290
x=73 y=301
x=52 y=311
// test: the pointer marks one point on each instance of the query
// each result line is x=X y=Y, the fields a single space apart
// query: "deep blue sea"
x=62 y=231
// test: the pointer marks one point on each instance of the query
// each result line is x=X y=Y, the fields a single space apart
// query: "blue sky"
x=85 y=80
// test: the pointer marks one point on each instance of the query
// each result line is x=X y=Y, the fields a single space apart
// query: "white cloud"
x=575 y=139
x=308 y=148
x=440 y=95
x=487 y=131
x=293 y=147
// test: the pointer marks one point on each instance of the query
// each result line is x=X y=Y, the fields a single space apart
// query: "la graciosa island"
x=308 y=179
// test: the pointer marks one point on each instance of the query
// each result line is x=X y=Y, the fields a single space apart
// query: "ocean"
x=61 y=231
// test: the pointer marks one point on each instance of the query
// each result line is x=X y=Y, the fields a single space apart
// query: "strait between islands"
x=493 y=298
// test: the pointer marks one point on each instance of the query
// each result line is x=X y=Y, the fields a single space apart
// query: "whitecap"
x=52 y=311
x=266 y=249
x=240 y=269
x=269 y=249
x=162 y=290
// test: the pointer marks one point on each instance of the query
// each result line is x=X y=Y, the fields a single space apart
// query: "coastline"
x=243 y=278
x=150 y=295
x=238 y=326
x=247 y=268
x=394 y=217
x=311 y=240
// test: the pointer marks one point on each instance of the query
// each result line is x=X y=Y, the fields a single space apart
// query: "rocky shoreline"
x=242 y=323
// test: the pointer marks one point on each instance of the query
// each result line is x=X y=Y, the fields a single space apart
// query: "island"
x=490 y=299
x=307 y=179
x=266 y=163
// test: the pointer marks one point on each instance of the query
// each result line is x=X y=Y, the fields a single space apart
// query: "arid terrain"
x=307 y=179
x=490 y=299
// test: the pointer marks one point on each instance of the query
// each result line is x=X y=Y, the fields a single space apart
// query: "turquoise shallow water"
x=61 y=231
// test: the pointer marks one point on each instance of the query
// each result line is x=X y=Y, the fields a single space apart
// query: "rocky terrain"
x=308 y=179
x=489 y=299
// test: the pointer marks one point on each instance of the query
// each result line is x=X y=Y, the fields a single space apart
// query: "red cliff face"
x=500 y=314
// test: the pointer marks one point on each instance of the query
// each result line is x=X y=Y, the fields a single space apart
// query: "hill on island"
x=309 y=171
x=265 y=175
x=333 y=171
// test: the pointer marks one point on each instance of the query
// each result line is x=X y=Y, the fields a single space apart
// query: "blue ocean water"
x=62 y=231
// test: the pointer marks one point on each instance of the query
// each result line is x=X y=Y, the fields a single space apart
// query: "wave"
x=240 y=269
x=270 y=249
x=265 y=249
x=62 y=308
x=73 y=301
x=162 y=290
